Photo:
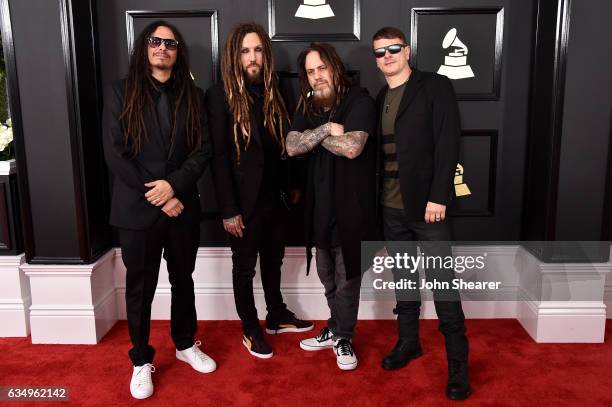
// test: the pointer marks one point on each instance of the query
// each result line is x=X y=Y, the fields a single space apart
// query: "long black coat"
x=237 y=184
x=159 y=159
x=354 y=186
x=427 y=132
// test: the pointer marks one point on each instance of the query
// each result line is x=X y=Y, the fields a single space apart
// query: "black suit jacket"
x=427 y=131
x=237 y=185
x=159 y=159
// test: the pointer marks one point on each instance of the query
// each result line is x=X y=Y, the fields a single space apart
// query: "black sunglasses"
x=393 y=49
x=155 y=42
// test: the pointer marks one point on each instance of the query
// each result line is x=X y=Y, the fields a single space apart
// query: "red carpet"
x=507 y=369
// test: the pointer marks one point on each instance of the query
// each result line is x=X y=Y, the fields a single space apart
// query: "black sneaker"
x=256 y=345
x=287 y=323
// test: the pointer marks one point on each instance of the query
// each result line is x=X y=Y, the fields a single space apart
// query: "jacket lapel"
x=412 y=89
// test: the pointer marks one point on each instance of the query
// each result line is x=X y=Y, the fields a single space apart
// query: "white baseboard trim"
x=15 y=298
x=79 y=304
x=72 y=304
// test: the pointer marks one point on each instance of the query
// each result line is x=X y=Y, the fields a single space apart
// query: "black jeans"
x=342 y=294
x=141 y=251
x=263 y=235
x=403 y=236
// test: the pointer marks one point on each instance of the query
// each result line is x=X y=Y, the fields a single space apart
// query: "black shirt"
x=324 y=229
x=269 y=191
x=163 y=96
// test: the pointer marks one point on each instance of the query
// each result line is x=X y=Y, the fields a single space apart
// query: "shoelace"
x=196 y=350
x=144 y=378
x=323 y=335
x=344 y=348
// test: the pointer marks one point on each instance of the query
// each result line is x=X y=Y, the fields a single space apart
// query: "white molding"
x=15 y=298
x=8 y=167
x=78 y=304
x=561 y=320
x=72 y=304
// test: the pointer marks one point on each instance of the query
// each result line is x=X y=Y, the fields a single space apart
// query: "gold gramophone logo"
x=461 y=189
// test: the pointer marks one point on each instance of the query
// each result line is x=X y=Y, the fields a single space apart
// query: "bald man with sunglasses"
x=418 y=136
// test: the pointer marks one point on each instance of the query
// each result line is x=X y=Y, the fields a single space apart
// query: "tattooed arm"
x=348 y=145
x=300 y=143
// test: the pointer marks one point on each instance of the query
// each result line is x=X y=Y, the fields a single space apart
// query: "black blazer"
x=427 y=131
x=237 y=185
x=158 y=159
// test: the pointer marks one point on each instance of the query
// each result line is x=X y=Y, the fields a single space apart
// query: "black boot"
x=458 y=387
x=404 y=351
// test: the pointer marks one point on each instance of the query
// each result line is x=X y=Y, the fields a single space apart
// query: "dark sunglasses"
x=155 y=42
x=393 y=49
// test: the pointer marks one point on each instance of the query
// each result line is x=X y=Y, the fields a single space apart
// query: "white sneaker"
x=345 y=355
x=199 y=360
x=322 y=341
x=141 y=385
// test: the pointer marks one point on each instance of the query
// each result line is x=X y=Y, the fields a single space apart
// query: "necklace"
x=388 y=100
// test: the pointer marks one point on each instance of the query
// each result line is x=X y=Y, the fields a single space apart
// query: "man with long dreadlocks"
x=156 y=146
x=332 y=125
x=247 y=121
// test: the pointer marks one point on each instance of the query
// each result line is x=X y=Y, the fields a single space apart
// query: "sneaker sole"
x=258 y=355
x=180 y=357
x=352 y=366
x=310 y=348
x=141 y=397
x=285 y=330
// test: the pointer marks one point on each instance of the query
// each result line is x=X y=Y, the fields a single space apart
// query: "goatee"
x=256 y=79
x=323 y=100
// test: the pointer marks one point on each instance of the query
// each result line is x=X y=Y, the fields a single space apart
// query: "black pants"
x=141 y=251
x=263 y=235
x=402 y=236
x=342 y=294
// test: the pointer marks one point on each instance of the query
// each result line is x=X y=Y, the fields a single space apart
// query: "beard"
x=324 y=98
x=255 y=78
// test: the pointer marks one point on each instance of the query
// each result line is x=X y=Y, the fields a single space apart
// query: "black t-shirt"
x=355 y=116
x=324 y=228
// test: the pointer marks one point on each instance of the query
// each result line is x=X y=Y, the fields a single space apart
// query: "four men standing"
x=394 y=166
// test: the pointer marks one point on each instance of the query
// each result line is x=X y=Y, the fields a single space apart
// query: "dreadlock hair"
x=238 y=97
x=331 y=59
x=138 y=95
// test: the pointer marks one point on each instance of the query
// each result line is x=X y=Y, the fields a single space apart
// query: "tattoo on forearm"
x=300 y=143
x=349 y=145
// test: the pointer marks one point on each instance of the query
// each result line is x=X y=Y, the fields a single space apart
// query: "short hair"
x=389 y=33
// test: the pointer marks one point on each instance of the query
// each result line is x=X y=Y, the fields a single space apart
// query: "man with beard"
x=247 y=122
x=156 y=146
x=332 y=125
x=419 y=146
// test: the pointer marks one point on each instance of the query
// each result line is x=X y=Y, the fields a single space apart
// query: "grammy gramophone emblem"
x=314 y=10
x=455 y=62
x=461 y=189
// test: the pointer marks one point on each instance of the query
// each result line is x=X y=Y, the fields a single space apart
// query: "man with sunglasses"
x=418 y=136
x=156 y=146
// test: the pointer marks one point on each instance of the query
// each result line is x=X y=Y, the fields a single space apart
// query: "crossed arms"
x=331 y=136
